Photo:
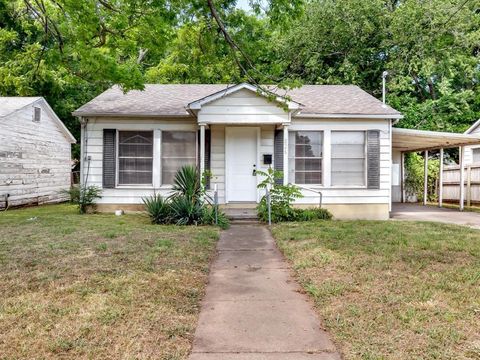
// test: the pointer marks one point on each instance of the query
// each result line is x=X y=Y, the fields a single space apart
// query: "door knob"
x=254 y=172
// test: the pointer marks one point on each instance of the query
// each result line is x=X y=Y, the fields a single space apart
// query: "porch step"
x=241 y=213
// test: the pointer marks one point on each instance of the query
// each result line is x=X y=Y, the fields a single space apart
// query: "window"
x=178 y=149
x=305 y=157
x=135 y=157
x=476 y=155
x=348 y=158
x=37 y=114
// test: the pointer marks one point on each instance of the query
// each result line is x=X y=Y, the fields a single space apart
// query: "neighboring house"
x=333 y=139
x=35 y=155
x=472 y=153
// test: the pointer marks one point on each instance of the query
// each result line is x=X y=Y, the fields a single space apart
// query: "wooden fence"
x=451 y=183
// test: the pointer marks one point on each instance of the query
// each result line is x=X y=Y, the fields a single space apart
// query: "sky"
x=243 y=4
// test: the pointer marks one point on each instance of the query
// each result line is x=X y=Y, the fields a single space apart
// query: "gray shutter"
x=373 y=159
x=109 y=158
x=278 y=154
x=208 y=136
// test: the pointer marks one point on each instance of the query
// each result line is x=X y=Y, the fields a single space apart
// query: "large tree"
x=430 y=48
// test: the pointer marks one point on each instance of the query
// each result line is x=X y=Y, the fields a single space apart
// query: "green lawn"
x=99 y=286
x=391 y=290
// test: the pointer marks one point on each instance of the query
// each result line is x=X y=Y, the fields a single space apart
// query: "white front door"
x=241 y=162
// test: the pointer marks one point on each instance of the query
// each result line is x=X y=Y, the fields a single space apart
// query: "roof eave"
x=349 y=116
x=92 y=114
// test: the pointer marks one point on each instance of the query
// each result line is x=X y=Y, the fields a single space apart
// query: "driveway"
x=253 y=309
x=417 y=212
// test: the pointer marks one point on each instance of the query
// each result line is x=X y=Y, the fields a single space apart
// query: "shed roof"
x=173 y=100
x=409 y=140
x=10 y=104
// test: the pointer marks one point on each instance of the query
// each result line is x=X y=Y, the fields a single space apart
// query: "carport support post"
x=440 y=180
x=462 y=177
x=402 y=170
x=425 y=178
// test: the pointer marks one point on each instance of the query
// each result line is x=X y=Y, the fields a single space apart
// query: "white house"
x=35 y=155
x=472 y=153
x=335 y=140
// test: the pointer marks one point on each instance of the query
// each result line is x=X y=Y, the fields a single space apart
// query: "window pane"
x=305 y=157
x=135 y=157
x=348 y=137
x=348 y=179
x=178 y=149
x=348 y=165
x=348 y=150
x=308 y=177
x=348 y=158
x=308 y=164
x=476 y=155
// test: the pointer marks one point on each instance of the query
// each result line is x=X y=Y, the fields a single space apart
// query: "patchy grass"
x=99 y=286
x=391 y=290
x=474 y=208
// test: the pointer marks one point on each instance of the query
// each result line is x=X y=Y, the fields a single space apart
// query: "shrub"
x=312 y=214
x=281 y=201
x=188 y=205
x=281 y=197
x=158 y=209
x=208 y=217
x=84 y=197
x=185 y=211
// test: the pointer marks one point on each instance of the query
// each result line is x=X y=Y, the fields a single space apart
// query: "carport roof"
x=419 y=140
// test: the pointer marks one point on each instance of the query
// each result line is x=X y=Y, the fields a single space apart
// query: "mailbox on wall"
x=267 y=159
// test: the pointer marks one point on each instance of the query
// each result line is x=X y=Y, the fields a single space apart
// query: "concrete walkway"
x=417 y=212
x=253 y=309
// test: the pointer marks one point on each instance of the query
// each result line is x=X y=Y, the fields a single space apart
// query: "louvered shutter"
x=373 y=159
x=278 y=154
x=109 y=158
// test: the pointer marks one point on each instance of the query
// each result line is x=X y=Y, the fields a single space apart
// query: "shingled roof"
x=173 y=100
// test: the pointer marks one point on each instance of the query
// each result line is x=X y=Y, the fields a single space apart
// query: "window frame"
x=117 y=160
x=160 y=160
x=37 y=110
x=322 y=159
x=365 y=165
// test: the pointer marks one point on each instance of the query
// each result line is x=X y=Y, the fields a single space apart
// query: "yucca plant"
x=158 y=209
x=185 y=211
x=187 y=183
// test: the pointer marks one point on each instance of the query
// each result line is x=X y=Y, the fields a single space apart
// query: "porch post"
x=425 y=178
x=440 y=180
x=462 y=177
x=285 y=154
x=202 y=149
x=402 y=176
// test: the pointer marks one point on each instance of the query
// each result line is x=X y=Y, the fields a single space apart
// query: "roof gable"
x=472 y=128
x=197 y=104
x=10 y=105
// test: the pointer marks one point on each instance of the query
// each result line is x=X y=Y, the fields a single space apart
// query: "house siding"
x=92 y=143
x=348 y=195
x=35 y=159
x=331 y=195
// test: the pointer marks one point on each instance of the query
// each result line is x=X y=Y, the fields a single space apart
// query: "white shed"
x=35 y=153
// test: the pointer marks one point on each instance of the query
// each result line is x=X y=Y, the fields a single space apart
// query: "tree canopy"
x=69 y=51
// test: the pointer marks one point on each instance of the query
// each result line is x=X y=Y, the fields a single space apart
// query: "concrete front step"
x=241 y=213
